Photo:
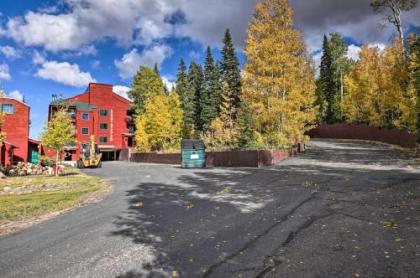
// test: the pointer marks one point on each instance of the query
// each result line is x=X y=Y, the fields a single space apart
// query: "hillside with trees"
x=275 y=97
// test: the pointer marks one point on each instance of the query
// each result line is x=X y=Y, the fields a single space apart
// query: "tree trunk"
x=396 y=12
x=56 y=163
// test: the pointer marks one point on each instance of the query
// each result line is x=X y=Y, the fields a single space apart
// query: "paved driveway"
x=339 y=210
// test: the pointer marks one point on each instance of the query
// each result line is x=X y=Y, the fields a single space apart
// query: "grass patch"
x=33 y=196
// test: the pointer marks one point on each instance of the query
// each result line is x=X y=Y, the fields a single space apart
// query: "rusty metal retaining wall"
x=364 y=132
x=165 y=158
x=222 y=159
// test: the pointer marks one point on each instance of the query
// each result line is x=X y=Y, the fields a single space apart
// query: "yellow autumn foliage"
x=376 y=89
x=279 y=82
x=159 y=127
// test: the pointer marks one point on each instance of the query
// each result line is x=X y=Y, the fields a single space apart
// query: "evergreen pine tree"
x=334 y=66
x=156 y=68
x=182 y=79
x=196 y=78
x=186 y=94
x=210 y=98
x=326 y=83
x=229 y=69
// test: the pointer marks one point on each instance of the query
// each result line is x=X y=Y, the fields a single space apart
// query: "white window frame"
x=87 y=131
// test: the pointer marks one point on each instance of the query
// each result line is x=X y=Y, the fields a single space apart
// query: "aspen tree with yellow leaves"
x=377 y=91
x=361 y=104
x=279 y=80
x=414 y=77
x=159 y=127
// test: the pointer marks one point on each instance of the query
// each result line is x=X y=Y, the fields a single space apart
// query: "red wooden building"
x=16 y=128
x=102 y=113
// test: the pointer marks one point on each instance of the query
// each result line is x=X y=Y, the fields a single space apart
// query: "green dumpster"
x=193 y=154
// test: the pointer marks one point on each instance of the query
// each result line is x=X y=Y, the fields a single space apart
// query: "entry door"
x=34 y=157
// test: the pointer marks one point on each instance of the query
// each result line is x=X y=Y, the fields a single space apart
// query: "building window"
x=103 y=139
x=72 y=113
x=103 y=126
x=85 y=116
x=7 y=108
x=85 y=130
x=103 y=113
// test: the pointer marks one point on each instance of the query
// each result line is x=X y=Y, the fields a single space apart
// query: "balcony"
x=129 y=119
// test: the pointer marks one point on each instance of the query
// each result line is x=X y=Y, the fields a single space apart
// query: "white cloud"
x=38 y=58
x=379 y=46
x=88 y=21
x=168 y=84
x=54 y=32
x=64 y=73
x=122 y=91
x=10 y=52
x=142 y=22
x=16 y=95
x=353 y=52
x=4 y=72
x=130 y=62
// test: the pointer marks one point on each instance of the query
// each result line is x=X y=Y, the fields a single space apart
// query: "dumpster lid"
x=192 y=144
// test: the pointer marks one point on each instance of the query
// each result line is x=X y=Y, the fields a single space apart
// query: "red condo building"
x=102 y=113
x=16 y=127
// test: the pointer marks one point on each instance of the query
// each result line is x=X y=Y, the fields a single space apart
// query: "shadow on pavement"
x=203 y=219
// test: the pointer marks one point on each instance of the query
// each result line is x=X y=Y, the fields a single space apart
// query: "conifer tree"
x=223 y=132
x=230 y=72
x=326 y=84
x=196 y=78
x=146 y=84
x=186 y=92
x=182 y=80
x=156 y=69
x=210 y=98
x=334 y=66
x=279 y=82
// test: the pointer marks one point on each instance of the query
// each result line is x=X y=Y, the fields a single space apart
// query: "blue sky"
x=58 y=47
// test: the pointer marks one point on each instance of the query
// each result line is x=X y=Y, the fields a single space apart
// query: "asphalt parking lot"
x=339 y=210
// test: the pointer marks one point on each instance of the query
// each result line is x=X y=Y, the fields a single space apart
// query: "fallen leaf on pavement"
x=138 y=204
